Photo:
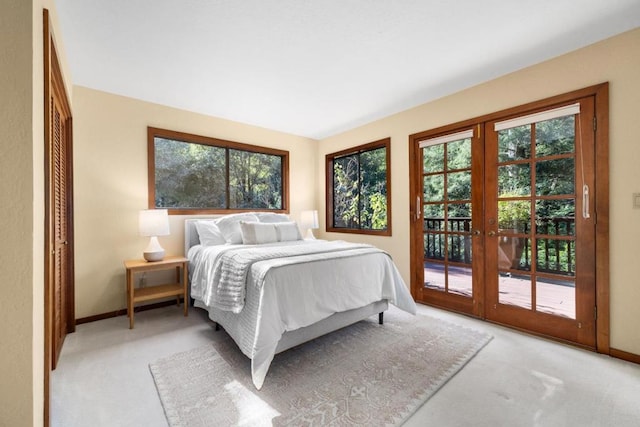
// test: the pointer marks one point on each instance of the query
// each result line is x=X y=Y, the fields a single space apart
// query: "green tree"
x=191 y=175
x=360 y=190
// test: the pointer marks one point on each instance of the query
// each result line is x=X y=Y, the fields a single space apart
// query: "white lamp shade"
x=153 y=222
x=309 y=220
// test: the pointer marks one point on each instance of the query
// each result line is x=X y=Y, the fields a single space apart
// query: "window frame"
x=329 y=161
x=153 y=133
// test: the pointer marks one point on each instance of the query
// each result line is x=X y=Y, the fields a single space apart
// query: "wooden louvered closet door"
x=59 y=298
x=60 y=227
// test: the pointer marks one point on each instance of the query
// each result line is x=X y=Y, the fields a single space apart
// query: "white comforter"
x=301 y=286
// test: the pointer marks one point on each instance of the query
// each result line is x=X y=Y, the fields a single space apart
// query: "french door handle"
x=476 y=232
x=492 y=233
x=418 y=208
x=585 y=202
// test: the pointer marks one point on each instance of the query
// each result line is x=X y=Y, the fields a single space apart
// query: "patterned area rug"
x=365 y=374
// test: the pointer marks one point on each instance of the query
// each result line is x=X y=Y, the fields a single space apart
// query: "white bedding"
x=286 y=293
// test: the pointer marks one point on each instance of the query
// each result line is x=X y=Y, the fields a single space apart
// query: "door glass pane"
x=514 y=253
x=555 y=177
x=460 y=280
x=433 y=188
x=514 y=144
x=459 y=154
x=433 y=158
x=459 y=217
x=459 y=248
x=515 y=290
x=433 y=217
x=434 y=247
x=556 y=136
x=556 y=256
x=514 y=180
x=514 y=216
x=434 y=276
x=556 y=217
x=556 y=297
x=459 y=185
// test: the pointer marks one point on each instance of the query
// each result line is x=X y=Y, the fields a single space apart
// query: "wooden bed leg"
x=381 y=318
x=217 y=327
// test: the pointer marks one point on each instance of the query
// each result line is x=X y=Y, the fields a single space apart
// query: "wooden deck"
x=554 y=297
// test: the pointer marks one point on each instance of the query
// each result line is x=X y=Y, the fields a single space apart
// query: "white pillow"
x=272 y=217
x=256 y=233
x=287 y=231
x=209 y=233
x=229 y=226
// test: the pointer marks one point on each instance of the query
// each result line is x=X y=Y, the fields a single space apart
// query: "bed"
x=271 y=290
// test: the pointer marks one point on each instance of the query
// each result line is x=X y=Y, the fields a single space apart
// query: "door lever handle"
x=476 y=232
x=492 y=233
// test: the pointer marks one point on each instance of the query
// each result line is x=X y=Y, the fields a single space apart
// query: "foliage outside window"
x=359 y=189
x=191 y=174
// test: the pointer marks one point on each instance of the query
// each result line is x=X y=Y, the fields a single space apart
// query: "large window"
x=359 y=189
x=191 y=174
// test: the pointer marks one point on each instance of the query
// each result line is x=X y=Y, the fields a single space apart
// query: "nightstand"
x=177 y=289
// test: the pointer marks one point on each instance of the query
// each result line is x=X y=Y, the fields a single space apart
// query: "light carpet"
x=365 y=374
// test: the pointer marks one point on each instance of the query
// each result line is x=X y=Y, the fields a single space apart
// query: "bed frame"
x=293 y=338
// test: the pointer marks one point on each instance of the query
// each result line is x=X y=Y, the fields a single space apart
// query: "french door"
x=450 y=211
x=504 y=221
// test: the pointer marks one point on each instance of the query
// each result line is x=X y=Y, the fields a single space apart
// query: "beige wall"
x=616 y=60
x=22 y=225
x=110 y=167
x=16 y=185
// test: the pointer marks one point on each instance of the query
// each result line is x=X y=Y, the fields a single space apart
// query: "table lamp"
x=153 y=223
x=309 y=221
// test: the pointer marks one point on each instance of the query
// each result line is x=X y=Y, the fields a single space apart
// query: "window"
x=191 y=174
x=359 y=189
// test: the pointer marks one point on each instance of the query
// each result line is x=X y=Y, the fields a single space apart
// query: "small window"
x=191 y=174
x=359 y=189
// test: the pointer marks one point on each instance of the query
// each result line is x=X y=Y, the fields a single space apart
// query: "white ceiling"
x=316 y=68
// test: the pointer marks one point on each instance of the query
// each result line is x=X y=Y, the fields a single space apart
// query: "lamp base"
x=153 y=256
x=153 y=252
x=310 y=235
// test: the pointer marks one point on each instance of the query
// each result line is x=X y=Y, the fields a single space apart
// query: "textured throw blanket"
x=232 y=267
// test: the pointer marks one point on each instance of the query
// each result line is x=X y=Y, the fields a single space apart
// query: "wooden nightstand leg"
x=185 y=284
x=130 y=298
x=178 y=281
x=127 y=291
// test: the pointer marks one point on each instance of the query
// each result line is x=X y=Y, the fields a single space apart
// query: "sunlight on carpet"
x=364 y=374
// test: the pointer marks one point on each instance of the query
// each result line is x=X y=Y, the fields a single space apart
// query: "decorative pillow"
x=256 y=233
x=229 y=226
x=272 y=217
x=209 y=233
x=287 y=231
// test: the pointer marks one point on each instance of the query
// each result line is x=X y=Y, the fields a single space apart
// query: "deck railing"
x=553 y=255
